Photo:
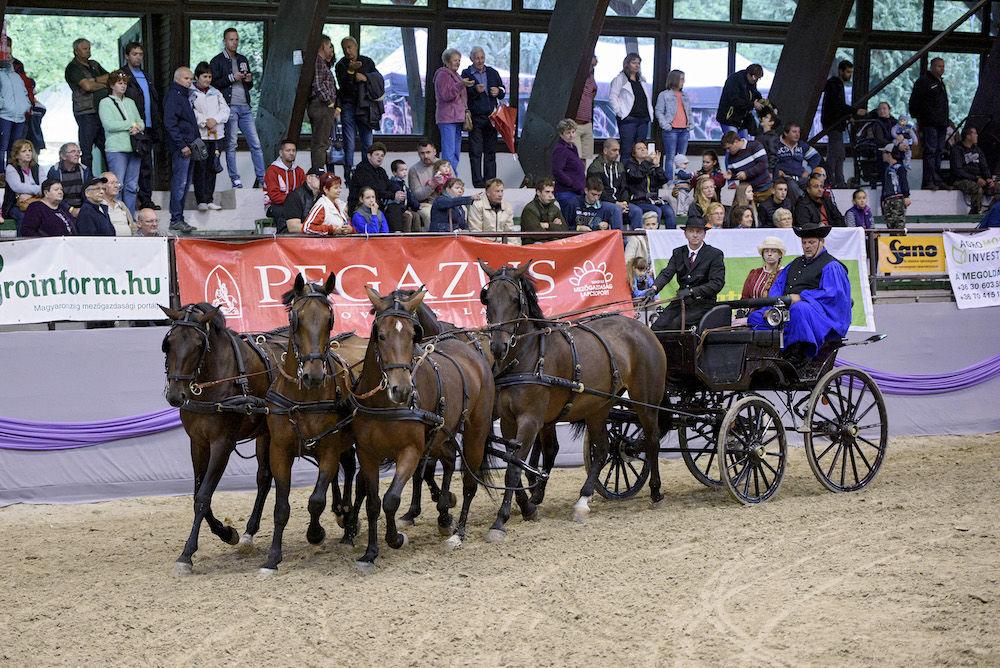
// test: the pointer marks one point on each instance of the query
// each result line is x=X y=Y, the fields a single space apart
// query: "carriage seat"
x=722 y=316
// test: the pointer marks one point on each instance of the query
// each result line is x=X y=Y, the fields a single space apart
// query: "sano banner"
x=740 y=247
x=246 y=280
x=911 y=254
x=974 y=267
x=83 y=278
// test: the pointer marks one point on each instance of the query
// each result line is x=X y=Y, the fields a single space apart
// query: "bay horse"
x=309 y=414
x=551 y=371
x=198 y=350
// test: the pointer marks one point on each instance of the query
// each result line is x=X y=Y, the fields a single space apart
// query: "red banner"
x=246 y=280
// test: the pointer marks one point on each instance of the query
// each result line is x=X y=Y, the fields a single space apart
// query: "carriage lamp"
x=775 y=316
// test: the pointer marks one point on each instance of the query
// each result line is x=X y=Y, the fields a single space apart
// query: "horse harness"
x=241 y=403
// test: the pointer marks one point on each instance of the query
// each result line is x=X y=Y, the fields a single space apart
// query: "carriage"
x=733 y=399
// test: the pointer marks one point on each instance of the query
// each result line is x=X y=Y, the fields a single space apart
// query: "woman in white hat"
x=759 y=281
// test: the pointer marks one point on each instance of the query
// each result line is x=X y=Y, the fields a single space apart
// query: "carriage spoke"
x=843 y=467
x=877 y=447
x=867 y=411
x=746 y=480
x=829 y=398
x=763 y=475
x=770 y=468
x=618 y=483
x=854 y=463
x=736 y=463
x=628 y=462
x=833 y=442
x=711 y=458
x=624 y=473
x=829 y=471
x=756 y=483
x=862 y=455
x=607 y=478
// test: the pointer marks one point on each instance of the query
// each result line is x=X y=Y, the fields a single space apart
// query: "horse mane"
x=531 y=298
x=289 y=296
x=425 y=315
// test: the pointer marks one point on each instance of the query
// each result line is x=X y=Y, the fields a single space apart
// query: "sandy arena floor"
x=906 y=573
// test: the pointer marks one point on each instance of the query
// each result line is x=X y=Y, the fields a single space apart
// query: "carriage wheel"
x=625 y=470
x=699 y=452
x=752 y=450
x=848 y=430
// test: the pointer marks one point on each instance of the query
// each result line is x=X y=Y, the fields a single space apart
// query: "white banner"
x=974 y=267
x=83 y=278
x=847 y=244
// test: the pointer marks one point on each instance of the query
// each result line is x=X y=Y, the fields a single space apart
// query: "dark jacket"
x=766 y=209
x=991 y=219
x=395 y=185
x=367 y=174
x=700 y=283
x=371 y=94
x=612 y=175
x=134 y=92
x=736 y=101
x=483 y=104
x=968 y=164
x=93 y=221
x=535 y=213
x=448 y=214
x=894 y=183
x=347 y=86
x=222 y=75
x=807 y=212
x=567 y=168
x=643 y=180
x=834 y=104
x=41 y=221
x=179 y=122
x=929 y=101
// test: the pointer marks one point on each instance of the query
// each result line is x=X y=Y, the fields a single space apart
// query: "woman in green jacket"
x=121 y=120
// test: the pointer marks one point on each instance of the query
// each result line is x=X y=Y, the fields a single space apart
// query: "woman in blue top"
x=367 y=218
x=448 y=208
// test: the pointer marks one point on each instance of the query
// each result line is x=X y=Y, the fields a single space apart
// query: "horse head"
x=395 y=332
x=310 y=319
x=506 y=301
x=186 y=346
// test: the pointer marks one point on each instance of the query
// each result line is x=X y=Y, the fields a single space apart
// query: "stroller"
x=335 y=154
x=867 y=144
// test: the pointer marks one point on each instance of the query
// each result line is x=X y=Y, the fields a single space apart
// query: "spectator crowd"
x=778 y=180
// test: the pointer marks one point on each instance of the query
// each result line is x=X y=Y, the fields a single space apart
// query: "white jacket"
x=622 y=99
x=210 y=104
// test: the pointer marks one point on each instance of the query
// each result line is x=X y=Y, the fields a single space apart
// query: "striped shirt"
x=751 y=159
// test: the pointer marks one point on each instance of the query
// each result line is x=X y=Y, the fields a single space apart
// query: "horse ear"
x=209 y=315
x=415 y=300
x=300 y=284
x=171 y=313
x=378 y=302
x=331 y=283
x=489 y=271
x=521 y=271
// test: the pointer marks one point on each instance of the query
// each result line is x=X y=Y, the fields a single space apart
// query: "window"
x=702 y=10
x=899 y=15
x=206 y=43
x=530 y=52
x=842 y=54
x=705 y=66
x=400 y=3
x=502 y=5
x=642 y=8
x=400 y=55
x=547 y=5
x=44 y=43
x=947 y=12
x=897 y=94
x=961 y=77
x=778 y=11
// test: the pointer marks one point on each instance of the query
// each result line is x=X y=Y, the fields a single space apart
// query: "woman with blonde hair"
x=704 y=194
x=782 y=217
x=715 y=215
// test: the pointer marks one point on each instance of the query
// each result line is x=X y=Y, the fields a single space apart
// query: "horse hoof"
x=531 y=515
x=446 y=531
x=246 y=545
x=581 y=514
x=316 y=537
x=452 y=500
x=340 y=520
x=405 y=522
x=404 y=541
x=364 y=567
x=182 y=570
x=496 y=536
x=266 y=573
x=657 y=503
x=345 y=544
x=453 y=543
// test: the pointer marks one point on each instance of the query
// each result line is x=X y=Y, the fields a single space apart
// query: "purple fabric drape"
x=933 y=383
x=45 y=436
x=28 y=435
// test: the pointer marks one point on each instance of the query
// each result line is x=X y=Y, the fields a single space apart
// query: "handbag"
x=140 y=142
x=467 y=125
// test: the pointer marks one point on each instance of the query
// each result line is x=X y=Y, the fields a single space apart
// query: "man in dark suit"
x=142 y=91
x=700 y=272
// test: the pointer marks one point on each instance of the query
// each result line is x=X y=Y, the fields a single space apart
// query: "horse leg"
x=263 y=488
x=406 y=464
x=473 y=458
x=599 y=440
x=432 y=486
x=369 y=469
x=536 y=451
x=648 y=418
x=281 y=467
x=411 y=515
x=550 y=448
x=327 y=474
x=210 y=472
x=444 y=498
x=527 y=430
x=351 y=524
x=341 y=504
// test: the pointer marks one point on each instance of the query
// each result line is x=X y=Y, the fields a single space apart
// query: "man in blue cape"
x=817 y=287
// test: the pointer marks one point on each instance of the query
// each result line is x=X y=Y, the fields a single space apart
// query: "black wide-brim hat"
x=812 y=231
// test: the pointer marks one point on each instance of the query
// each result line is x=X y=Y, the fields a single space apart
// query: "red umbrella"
x=504 y=119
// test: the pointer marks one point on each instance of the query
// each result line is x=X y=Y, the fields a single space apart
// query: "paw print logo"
x=597 y=273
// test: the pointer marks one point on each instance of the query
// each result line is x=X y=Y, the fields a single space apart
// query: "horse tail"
x=578 y=428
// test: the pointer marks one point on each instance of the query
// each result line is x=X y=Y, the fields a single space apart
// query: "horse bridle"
x=509 y=328
x=293 y=321
x=203 y=330
x=397 y=311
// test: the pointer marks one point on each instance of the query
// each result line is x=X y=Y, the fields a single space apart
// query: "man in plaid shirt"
x=322 y=103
